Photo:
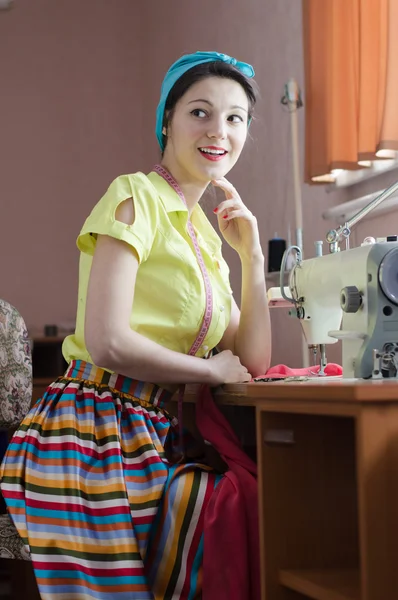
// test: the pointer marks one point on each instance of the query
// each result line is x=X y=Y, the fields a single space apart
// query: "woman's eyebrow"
x=210 y=104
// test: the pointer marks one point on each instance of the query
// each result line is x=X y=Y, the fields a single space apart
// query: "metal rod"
x=334 y=236
x=324 y=362
x=372 y=205
x=293 y=102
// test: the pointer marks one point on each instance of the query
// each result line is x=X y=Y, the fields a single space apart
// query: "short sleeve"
x=140 y=235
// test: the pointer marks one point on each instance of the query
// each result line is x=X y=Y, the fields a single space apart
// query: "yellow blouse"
x=169 y=298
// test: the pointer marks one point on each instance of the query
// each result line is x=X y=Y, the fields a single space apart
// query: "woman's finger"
x=226 y=186
x=227 y=205
x=239 y=212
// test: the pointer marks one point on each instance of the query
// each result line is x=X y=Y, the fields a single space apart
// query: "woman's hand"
x=237 y=224
x=225 y=367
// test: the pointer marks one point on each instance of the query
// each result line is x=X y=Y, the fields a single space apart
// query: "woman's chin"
x=214 y=171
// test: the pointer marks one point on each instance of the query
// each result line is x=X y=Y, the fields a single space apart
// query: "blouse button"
x=222 y=308
x=205 y=348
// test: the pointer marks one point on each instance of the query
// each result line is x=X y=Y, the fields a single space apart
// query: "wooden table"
x=328 y=487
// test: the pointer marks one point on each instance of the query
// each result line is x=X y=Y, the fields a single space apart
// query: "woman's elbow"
x=259 y=367
x=102 y=348
x=255 y=371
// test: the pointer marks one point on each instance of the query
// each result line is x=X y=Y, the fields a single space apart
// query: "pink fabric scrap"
x=283 y=371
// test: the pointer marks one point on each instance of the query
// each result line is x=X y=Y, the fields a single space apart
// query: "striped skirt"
x=96 y=496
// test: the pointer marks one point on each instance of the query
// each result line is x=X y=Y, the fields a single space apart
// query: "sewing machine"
x=349 y=295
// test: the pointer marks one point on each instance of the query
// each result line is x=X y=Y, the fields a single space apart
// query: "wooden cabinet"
x=328 y=483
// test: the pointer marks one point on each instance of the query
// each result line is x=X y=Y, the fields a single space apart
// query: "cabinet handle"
x=279 y=436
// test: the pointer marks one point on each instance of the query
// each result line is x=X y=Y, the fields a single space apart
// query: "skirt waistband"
x=147 y=392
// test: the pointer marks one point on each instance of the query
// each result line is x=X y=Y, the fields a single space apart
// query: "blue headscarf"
x=180 y=67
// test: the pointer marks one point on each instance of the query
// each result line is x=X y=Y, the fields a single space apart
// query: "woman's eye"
x=198 y=112
x=235 y=119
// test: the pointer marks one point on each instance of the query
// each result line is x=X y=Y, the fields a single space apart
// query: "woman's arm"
x=249 y=332
x=253 y=337
x=112 y=343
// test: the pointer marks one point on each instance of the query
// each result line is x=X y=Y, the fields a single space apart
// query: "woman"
x=93 y=478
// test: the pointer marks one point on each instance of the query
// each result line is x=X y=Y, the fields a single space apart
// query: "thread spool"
x=276 y=248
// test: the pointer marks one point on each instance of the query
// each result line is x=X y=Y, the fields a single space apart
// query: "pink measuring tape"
x=208 y=289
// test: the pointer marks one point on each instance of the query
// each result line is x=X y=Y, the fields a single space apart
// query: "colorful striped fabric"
x=91 y=486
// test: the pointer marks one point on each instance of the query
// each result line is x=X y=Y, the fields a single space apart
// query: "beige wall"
x=79 y=88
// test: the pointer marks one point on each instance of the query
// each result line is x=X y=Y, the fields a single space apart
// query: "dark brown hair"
x=203 y=71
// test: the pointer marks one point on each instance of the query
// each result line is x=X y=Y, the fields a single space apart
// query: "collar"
x=168 y=196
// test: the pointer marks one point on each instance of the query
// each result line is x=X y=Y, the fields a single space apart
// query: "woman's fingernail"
x=225 y=217
x=215 y=210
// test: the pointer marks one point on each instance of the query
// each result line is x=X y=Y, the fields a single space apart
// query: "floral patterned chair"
x=15 y=402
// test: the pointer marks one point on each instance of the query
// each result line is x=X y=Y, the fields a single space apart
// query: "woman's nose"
x=217 y=129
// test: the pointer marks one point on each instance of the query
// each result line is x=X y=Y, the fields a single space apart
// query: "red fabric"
x=282 y=371
x=231 y=557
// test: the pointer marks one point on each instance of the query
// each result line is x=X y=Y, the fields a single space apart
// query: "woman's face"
x=208 y=130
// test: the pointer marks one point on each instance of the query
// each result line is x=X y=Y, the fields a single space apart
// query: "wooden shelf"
x=47 y=339
x=43 y=380
x=326 y=584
